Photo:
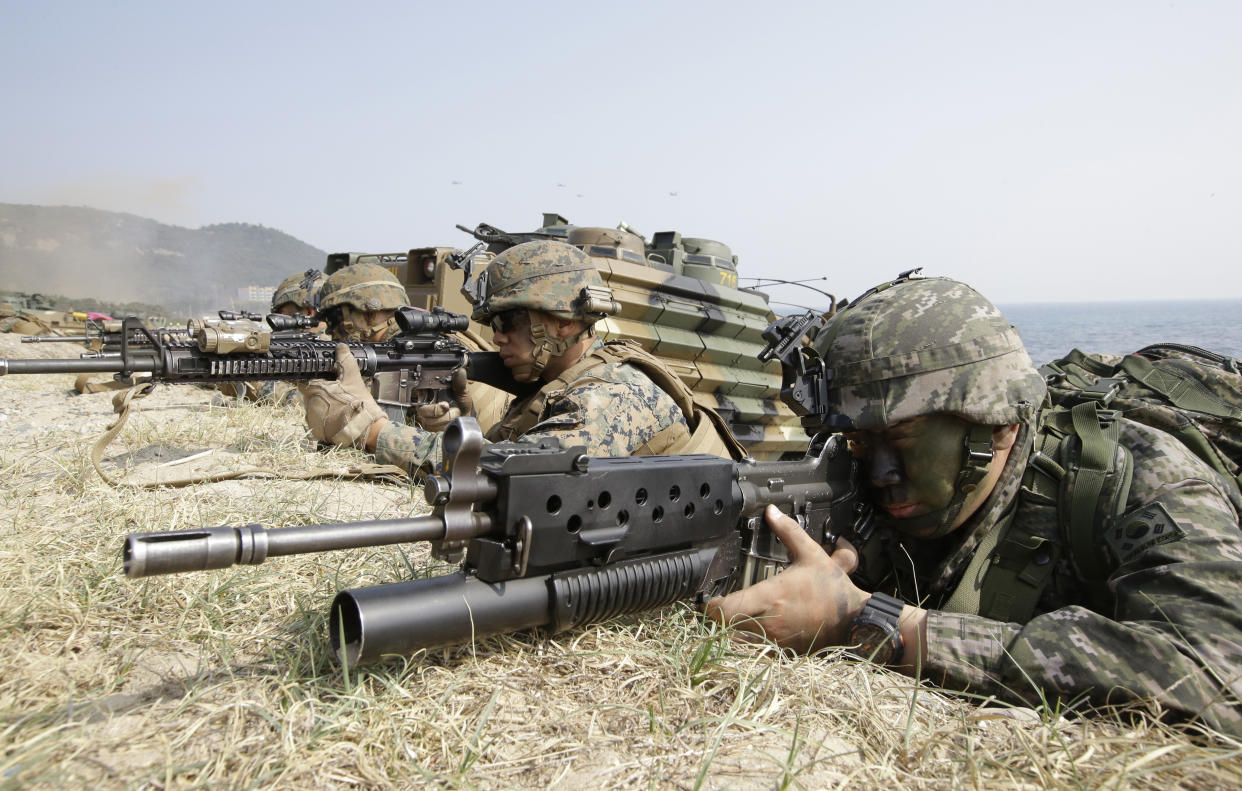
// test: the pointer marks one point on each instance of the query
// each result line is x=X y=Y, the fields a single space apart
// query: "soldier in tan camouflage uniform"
x=359 y=303
x=298 y=294
x=943 y=407
x=542 y=300
x=21 y=323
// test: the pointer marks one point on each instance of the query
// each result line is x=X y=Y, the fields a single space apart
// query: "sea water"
x=1050 y=329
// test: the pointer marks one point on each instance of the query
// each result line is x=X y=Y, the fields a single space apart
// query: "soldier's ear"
x=1003 y=437
x=565 y=327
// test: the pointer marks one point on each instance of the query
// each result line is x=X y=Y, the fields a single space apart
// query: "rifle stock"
x=551 y=538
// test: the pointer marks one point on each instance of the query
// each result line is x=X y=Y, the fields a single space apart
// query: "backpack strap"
x=1099 y=433
x=1020 y=553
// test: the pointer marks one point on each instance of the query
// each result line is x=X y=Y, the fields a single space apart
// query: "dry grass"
x=220 y=679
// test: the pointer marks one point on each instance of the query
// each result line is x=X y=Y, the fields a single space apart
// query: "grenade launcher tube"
x=403 y=617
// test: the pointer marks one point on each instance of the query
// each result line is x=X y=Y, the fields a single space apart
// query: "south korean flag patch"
x=1136 y=532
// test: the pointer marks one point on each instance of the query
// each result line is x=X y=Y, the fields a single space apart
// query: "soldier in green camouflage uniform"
x=944 y=409
x=542 y=300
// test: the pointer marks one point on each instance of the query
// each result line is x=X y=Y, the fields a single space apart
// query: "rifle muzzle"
x=147 y=554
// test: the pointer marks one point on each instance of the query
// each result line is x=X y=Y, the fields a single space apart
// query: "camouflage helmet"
x=363 y=287
x=554 y=277
x=302 y=289
x=7 y=309
x=918 y=346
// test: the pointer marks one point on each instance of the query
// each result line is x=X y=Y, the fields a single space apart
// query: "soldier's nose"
x=884 y=468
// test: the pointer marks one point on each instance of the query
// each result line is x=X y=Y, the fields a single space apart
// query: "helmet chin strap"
x=975 y=462
x=545 y=346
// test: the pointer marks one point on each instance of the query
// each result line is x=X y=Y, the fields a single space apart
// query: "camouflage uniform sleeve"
x=612 y=415
x=1175 y=631
x=407 y=446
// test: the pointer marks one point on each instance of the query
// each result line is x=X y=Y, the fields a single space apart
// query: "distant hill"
x=81 y=252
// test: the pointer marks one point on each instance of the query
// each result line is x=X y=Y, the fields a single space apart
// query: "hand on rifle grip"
x=436 y=417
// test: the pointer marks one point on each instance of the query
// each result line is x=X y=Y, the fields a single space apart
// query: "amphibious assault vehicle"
x=679 y=299
x=33 y=314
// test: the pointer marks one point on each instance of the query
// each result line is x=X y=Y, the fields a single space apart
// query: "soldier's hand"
x=807 y=606
x=342 y=411
x=437 y=416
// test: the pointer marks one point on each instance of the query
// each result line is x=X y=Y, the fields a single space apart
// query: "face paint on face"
x=368 y=325
x=912 y=469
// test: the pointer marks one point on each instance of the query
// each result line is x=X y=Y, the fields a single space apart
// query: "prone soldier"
x=542 y=300
x=1110 y=573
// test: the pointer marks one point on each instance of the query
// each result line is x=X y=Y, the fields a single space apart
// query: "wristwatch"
x=875 y=633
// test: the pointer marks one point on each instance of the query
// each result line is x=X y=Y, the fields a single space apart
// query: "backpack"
x=1191 y=393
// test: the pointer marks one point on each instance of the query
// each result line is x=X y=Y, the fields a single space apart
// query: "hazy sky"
x=1029 y=148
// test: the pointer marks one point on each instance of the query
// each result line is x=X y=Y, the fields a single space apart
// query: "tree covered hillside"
x=82 y=252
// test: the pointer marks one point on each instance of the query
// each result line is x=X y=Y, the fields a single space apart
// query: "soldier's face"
x=291 y=309
x=366 y=325
x=912 y=469
x=511 y=334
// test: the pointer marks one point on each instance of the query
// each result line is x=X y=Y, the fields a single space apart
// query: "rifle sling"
x=123 y=403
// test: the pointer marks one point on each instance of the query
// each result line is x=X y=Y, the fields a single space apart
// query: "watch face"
x=873 y=641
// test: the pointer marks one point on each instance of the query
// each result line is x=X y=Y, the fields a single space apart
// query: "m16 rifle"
x=415 y=366
x=551 y=538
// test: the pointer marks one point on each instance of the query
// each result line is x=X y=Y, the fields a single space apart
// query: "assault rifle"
x=551 y=538
x=414 y=366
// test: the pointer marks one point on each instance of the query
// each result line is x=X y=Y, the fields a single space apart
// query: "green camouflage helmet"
x=927 y=345
x=302 y=289
x=544 y=275
x=363 y=287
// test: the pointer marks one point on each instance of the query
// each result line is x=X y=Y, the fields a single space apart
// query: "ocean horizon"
x=1051 y=329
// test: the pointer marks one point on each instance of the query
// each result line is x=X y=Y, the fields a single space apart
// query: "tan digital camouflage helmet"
x=302 y=289
x=544 y=275
x=362 y=287
x=351 y=293
x=918 y=346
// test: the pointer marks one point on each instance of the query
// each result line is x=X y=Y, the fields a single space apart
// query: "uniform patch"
x=1136 y=532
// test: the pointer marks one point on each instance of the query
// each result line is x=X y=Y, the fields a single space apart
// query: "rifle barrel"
x=56 y=339
x=101 y=365
x=147 y=554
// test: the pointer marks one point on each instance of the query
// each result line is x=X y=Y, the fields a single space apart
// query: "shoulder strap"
x=1099 y=433
x=704 y=421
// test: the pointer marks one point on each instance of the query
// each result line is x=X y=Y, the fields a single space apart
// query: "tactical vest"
x=708 y=432
x=1077 y=479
